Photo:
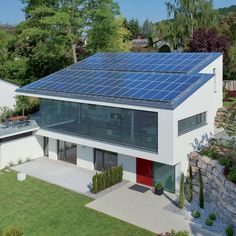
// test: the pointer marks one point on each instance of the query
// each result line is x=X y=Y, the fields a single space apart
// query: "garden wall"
x=219 y=191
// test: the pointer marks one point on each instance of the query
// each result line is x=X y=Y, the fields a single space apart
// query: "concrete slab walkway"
x=158 y=214
x=60 y=173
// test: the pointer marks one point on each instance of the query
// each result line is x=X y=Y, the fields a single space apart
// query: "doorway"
x=45 y=146
x=144 y=173
x=104 y=160
x=67 y=152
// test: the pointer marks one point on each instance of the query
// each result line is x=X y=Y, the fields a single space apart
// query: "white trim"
x=17 y=133
x=7 y=82
x=109 y=104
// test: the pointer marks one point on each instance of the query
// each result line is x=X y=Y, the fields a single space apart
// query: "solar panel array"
x=148 y=62
x=131 y=78
x=130 y=85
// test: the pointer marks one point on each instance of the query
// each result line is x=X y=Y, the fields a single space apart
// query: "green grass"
x=229 y=103
x=47 y=210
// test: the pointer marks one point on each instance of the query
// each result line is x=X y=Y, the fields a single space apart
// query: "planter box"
x=21 y=176
x=158 y=192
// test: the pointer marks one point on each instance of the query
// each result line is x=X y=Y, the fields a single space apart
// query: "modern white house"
x=7 y=94
x=143 y=111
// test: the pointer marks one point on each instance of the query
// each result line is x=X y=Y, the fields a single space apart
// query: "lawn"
x=229 y=103
x=47 y=210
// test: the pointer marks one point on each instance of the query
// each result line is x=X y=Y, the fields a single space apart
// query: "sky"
x=155 y=10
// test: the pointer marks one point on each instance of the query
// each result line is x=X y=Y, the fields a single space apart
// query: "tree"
x=208 y=40
x=107 y=31
x=25 y=105
x=133 y=27
x=181 y=197
x=190 y=14
x=190 y=185
x=147 y=29
x=201 y=191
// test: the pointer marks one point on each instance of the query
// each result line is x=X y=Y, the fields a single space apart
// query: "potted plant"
x=158 y=189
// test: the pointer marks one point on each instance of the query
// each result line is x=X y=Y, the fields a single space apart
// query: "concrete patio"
x=155 y=213
x=59 y=173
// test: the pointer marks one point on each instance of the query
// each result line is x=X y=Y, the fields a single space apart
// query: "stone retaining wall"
x=219 y=191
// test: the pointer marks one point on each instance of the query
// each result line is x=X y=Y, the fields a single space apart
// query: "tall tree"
x=191 y=14
x=147 y=29
x=133 y=27
x=107 y=31
x=208 y=40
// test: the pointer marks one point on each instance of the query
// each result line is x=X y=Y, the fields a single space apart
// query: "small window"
x=191 y=123
x=214 y=73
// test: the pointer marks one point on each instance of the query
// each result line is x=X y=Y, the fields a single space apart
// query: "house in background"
x=144 y=111
x=7 y=94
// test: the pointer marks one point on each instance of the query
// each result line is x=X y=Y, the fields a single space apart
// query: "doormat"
x=139 y=188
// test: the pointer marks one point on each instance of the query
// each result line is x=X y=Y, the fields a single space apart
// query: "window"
x=45 y=146
x=104 y=160
x=214 y=72
x=191 y=123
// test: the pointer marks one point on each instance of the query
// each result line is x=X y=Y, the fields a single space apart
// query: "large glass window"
x=191 y=123
x=104 y=160
x=67 y=152
x=165 y=174
x=117 y=125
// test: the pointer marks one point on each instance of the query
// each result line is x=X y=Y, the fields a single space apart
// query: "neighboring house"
x=143 y=111
x=7 y=94
x=139 y=43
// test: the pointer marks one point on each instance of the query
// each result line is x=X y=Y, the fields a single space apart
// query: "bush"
x=212 y=216
x=232 y=174
x=210 y=152
x=190 y=185
x=209 y=222
x=226 y=161
x=229 y=231
x=196 y=214
x=201 y=192
x=14 y=230
x=181 y=197
x=101 y=181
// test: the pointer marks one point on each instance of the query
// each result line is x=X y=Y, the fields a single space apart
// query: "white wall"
x=7 y=94
x=85 y=157
x=30 y=147
x=129 y=167
x=204 y=99
x=52 y=149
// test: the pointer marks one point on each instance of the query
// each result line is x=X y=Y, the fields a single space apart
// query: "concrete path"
x=158 y=214
x=60 y=173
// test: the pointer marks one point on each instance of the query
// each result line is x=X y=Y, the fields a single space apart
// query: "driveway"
x=158 y=214
x=60 y=173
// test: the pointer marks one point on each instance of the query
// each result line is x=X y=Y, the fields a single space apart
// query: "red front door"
x=144 y=171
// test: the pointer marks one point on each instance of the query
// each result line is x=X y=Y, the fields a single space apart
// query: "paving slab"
x=59 y=173
x=158 y=214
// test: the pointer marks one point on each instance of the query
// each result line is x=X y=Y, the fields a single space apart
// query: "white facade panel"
x=85 y=156
x=129 y=167
x=21 y=149
x=52 y=149
x=7 y=94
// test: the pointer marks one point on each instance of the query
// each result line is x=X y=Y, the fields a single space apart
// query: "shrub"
x=201 y=192
x=232 y=174
x=180 y=233
x=190 y=185
x=181 y=197
x=210 y=152
x=14 y=230
x=209 y=222
x=229 y=231
x=196 y=214
x=226 y=161
x=158 y=185
x=212 y=216
x=101 y=181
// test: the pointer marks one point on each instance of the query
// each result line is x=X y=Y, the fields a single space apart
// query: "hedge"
x=106 y=179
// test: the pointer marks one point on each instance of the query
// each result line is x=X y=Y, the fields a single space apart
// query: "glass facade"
x=116 y=125
x=166 y=175
x=191 y=123
x=67 y=151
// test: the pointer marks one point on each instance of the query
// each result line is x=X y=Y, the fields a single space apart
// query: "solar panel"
x=147 y=62
x=142 y=86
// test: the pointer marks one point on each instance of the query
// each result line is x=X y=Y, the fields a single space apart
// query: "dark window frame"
x=201 y=120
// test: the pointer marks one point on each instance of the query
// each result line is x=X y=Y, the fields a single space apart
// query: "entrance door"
x=144 y=171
